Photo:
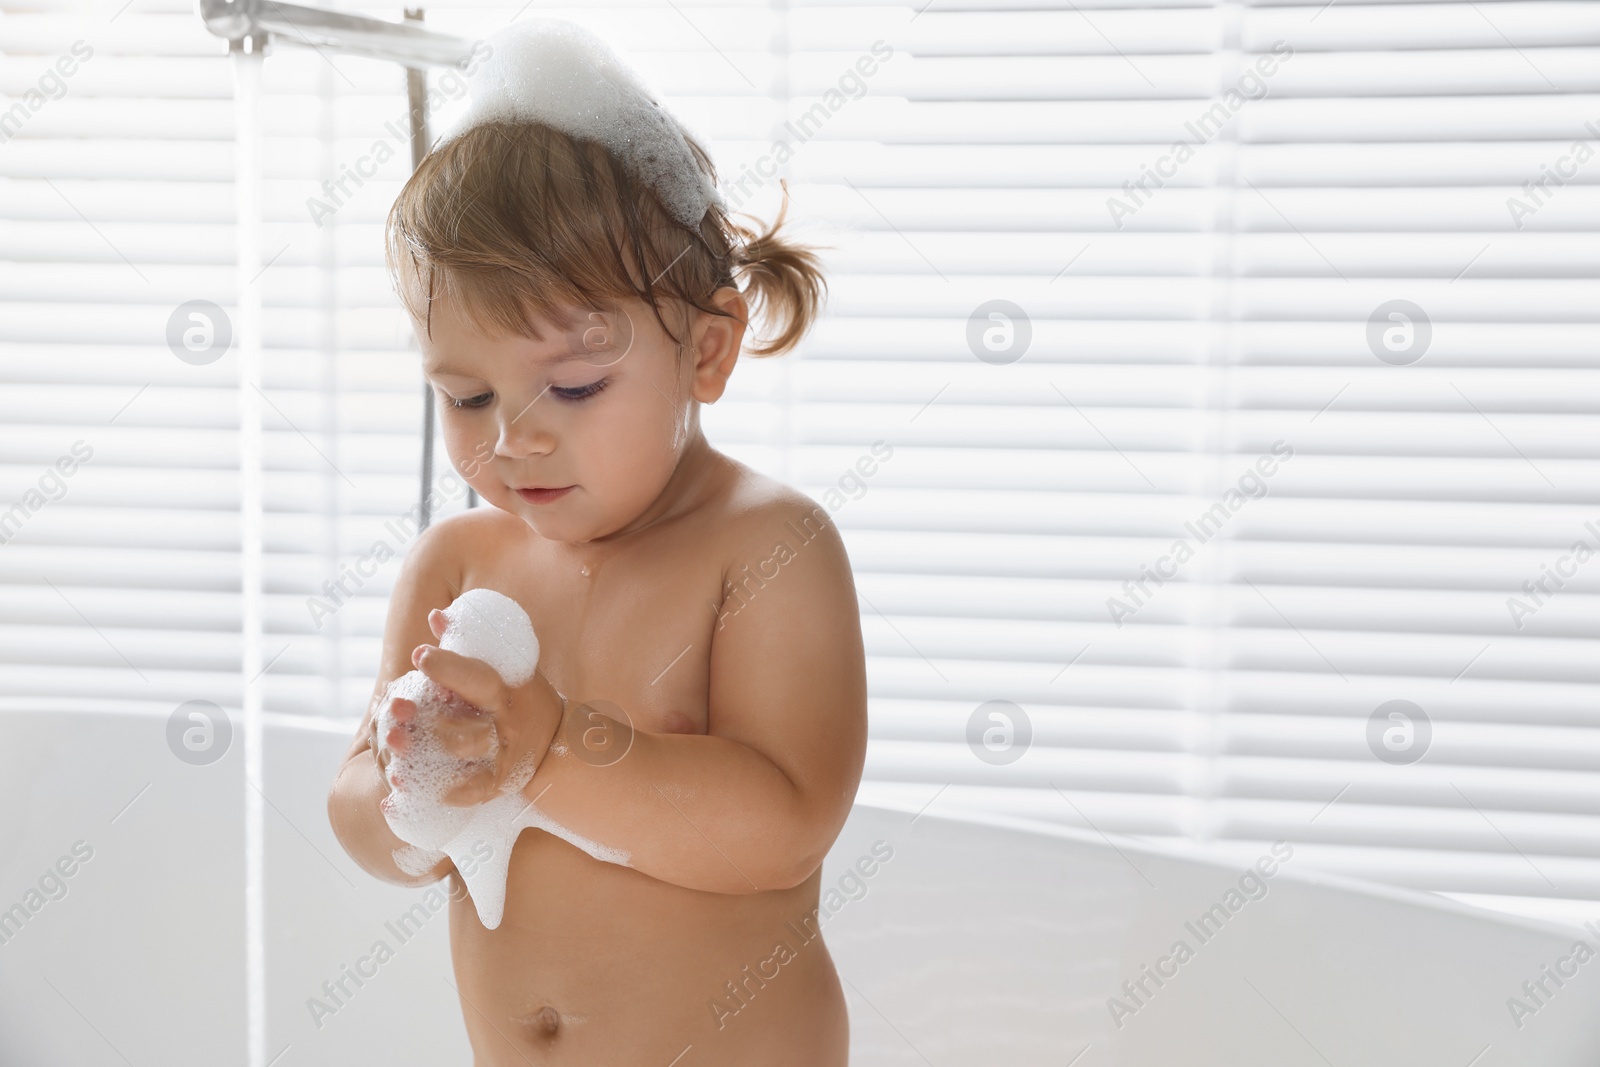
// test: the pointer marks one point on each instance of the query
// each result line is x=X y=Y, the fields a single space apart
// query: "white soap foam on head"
x=486 y=625
x=565 y=75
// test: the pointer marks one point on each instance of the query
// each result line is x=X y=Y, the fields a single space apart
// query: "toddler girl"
x=698 y=713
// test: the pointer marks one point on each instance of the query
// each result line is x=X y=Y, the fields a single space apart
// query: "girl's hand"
x=525 y=718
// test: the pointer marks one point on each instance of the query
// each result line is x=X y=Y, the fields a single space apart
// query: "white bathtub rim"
x=954 y=811
x=951 y=811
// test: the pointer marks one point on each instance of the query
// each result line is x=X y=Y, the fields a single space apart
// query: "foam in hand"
x=562 y=74
x=486 y=625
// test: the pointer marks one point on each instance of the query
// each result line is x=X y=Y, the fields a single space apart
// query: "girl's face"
x=599 y=408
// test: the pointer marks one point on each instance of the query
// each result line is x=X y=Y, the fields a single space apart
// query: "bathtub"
x=962 y=938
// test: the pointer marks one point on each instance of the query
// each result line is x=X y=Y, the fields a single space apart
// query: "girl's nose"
x=523 y=433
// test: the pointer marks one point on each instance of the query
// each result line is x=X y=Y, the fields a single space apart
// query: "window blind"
x=1325 y=500
x=1112 y=285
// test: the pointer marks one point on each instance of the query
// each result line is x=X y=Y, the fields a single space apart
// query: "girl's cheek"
x=470 y=455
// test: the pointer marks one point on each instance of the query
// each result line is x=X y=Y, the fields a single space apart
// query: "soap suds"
x=485 y=625
x=565 y=75
x=540 y=820
x=414 y=860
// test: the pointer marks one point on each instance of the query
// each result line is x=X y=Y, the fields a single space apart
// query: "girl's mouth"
x=544 y=496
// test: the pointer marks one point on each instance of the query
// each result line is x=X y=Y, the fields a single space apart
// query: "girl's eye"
x=581 y=393
x=472 y=401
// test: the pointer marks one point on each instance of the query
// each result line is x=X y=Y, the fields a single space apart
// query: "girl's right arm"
x=430 y=577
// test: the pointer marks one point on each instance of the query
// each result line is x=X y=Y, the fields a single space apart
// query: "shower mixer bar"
x=407 y=44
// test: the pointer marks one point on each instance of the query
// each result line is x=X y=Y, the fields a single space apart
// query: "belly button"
x=545 y=1022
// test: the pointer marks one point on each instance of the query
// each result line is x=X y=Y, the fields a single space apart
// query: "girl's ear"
x=716 y=343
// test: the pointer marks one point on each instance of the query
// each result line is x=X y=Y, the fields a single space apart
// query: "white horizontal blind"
x=1435 y=483
x=970 y=158
x=1195 y=309
x=118 y=461
x=118 y=213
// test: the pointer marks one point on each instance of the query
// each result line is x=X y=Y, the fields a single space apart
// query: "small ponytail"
x=784 y=282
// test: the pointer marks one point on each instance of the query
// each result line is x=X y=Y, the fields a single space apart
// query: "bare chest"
x=629 y=632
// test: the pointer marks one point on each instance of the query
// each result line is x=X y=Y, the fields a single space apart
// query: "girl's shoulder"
x=479 y=529
x=763 y=515
x=753 y=502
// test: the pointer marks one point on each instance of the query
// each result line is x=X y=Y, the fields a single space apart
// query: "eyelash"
x=571 y=396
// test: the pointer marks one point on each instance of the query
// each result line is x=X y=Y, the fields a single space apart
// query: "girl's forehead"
x=617 y=317
x=600 y=338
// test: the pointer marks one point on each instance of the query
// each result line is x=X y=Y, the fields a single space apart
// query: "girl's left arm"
x=755 y=803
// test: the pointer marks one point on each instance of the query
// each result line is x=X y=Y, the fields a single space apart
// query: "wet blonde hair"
x=520 y=221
